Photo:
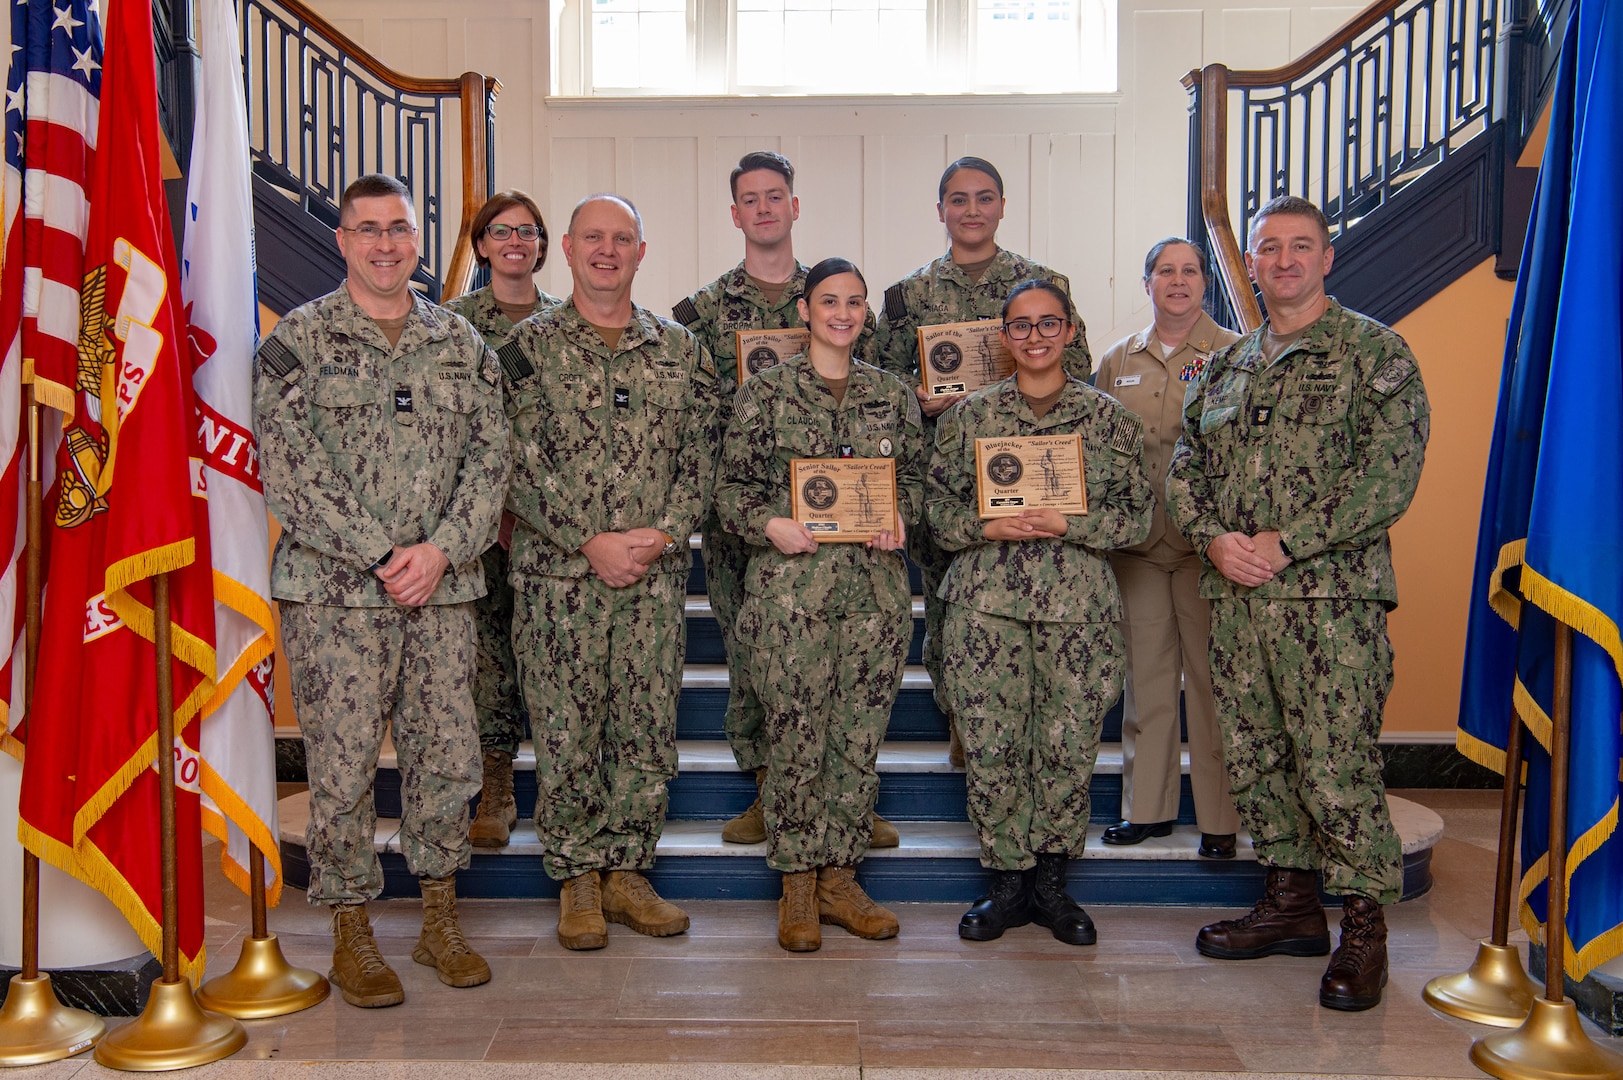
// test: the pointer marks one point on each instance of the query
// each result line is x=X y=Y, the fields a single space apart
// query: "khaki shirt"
x=1065 y=579
x=1325 y=445
x=606 y=441
x=942 y=293
x=787 y=412
x=363 y=447
x=1134 y=373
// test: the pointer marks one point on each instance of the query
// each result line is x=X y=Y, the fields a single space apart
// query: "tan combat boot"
x=750 y=826
x=630 y=900
x=580 y=913
x=841 y=902
x=498 y=811
x=798 y=929
x=441 y=945
x=358 y=969
x=884 y=834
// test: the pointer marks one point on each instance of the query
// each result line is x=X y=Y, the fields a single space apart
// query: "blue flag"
x=1550 y=546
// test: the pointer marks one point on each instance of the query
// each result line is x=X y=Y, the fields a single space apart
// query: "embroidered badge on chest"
x=1191 y=370
x=1260 y=415
x=622 y=397
x=885 y=447
x=402 y=399
x=846 y=451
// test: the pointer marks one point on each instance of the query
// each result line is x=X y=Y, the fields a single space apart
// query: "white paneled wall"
x=1092 y=180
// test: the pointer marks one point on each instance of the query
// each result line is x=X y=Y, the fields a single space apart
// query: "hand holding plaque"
x=1016 y=474
x=844 y=500
x=761 y=349
x=961 y=357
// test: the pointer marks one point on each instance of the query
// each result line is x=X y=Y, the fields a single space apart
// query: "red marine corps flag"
x=128 y=505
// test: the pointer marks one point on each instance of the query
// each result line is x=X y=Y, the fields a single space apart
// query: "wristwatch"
x=670 y=542
x=381 y=563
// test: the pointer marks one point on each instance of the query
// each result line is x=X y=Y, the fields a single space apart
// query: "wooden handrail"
x=352 y=49
x=1213 y=81
x=477 y=90
x=1321 y=52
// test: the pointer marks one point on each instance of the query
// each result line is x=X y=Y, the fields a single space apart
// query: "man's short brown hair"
x=371 y=186
x=1293 y=206
x=762 y=159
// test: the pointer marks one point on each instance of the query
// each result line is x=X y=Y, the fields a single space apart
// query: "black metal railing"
x=1346 y=126
x=322 y=111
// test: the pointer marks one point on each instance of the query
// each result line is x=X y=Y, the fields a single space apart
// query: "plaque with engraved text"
x=844 y=500
x=761 y=349
x=1028 y=473
x=961 y=357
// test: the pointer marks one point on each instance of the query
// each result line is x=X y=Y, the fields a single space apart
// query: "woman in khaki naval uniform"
x=1032 y=624
x=510 y=238
x=1167 y=623
x=825 y=626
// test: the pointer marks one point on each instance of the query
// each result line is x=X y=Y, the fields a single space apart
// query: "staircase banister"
x=1324 y=50
x=1213 y=81
x=352 y=50
x=478 y=95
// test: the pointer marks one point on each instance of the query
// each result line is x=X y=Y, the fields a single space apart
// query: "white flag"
x=217 y=284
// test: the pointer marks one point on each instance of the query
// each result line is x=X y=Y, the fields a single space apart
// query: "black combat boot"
x=1008 y=905
x=1053 y=908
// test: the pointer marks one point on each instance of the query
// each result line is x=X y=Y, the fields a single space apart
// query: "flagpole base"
x=35 y=1027
x=1495 y=990
x=173 y=1033
x=1550 y=1045
x=263 y=984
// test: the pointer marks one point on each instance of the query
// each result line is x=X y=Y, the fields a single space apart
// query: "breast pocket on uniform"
x=668 y=404
x=345 y=413
x=1322 y=434
x=451 y=404
x=798 y=439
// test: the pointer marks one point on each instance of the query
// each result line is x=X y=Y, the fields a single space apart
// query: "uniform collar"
x=424 y=322
x=737 y=283
x=1003 y=268
x=642 y=326
x=1320 y=338
x=1069 y=407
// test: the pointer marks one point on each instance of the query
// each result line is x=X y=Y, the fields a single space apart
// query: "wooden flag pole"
x=35 y=1026
x=172 y=1032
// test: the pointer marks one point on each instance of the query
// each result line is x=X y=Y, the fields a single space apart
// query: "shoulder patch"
x=276 y=358
x=915 y=416
x=1127 y=434
x=1390 y=377
x=685 y=312
x=895 y=303
x=515 y=364
x=490 y=369
x=744 y=406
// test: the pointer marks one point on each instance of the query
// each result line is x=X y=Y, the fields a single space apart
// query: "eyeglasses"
x=499 y=233
x=1020 y=329
x=373 y=233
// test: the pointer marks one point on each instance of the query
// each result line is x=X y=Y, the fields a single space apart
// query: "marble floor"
x=724 y=1001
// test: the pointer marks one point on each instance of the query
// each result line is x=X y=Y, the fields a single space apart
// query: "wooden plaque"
x=961 y=357
x=844 y=500
x=761 y=349
x=1030 y=472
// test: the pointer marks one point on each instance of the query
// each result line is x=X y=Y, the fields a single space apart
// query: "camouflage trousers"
x=726 y=560
x=601 y=669
x=496 y=702
x=1300 y=687
x=357 y=673
x=932 y=562
x=827 y=682
x=1030 y=698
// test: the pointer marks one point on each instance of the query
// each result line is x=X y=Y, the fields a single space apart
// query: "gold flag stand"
x=173 y=1032
x=263 y=983
x=34 y=1026
x=1552 y=1044
x=1496 y=989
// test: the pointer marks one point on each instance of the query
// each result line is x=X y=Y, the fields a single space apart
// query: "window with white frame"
x=673 y=47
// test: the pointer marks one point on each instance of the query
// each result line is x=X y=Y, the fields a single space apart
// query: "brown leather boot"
x=798 y=929
x=630 y=900
x=884 y=834
x=1357 y=972
x=1288 y=919
x=580 y=913
x=750 y=826
x=358 y=969
x=441 y=945
x=498 y=811
x=841 y=902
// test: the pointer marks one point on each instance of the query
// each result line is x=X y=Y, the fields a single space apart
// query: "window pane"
x=640 y=43
x=1027 y=43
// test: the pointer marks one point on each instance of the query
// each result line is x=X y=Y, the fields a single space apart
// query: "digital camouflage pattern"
x=357 y=673
x=363 y=447
x=1032 y=625
x=1301 y=686
x=826 y=632
x=496 y=700
x=940 y=292
x=601 y=669
x=605 y=441
x=1325 y=446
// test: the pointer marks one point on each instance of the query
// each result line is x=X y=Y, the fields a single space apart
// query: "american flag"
x=53 y=92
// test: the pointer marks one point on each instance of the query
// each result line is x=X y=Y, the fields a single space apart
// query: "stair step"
x=936 y=861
